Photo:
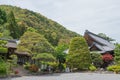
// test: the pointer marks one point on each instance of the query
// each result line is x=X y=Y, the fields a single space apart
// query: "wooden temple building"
x=100 y=45
x=12 y=49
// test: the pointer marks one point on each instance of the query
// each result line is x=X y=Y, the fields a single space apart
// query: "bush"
x=33 y=68
x=3 y=50
x=3 y=68
x=62 y=67
x=54 y=66
x=107 y=57
x=27 y=65
x=96 y=59
x=92 y=68
x=114 y=68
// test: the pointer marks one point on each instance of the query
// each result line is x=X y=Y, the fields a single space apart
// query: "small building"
x=11 y=47
x=99 y=44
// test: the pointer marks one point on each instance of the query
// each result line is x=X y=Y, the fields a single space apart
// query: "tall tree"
x=13 y=26
x=79 y=54
x=3 y=18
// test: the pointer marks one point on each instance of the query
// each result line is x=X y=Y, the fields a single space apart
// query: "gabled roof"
x=101 y=43
x=11 y=45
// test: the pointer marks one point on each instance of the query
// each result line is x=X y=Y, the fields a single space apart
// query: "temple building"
x=99 y=44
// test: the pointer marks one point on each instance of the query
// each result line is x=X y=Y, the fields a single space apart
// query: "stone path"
x=70 y=76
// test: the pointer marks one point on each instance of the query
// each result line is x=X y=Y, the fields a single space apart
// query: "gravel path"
x=70 y=76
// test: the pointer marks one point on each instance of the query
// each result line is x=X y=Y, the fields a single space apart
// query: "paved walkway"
x=70 y=76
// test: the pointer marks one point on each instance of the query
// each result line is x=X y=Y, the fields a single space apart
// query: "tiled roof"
x=100 y=42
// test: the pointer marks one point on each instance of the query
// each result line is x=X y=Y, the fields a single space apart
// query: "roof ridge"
x=86 y=31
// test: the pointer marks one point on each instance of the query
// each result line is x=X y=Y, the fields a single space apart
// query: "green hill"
x=52 y=31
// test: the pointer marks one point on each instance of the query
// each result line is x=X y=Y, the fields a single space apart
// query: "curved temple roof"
x=101 y=43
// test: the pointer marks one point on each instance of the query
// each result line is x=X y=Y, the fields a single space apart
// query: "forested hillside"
x=23 y=18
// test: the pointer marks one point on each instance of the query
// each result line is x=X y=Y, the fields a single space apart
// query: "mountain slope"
x=52 y=31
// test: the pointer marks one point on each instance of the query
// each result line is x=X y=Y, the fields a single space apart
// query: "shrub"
x=114 y=68
x=96 y=59
x=92 y=68
x=54 y=66
x=27 y=65
x=33 y=68
x=107 y=57
x=3 y=68
x=3 y=50
x=62 y=67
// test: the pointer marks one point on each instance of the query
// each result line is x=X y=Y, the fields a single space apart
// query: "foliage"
x=79 y=55
x=26 y=65
x=3 y=17
x=3 y=50
x=107 y=57
x=6 y=34
x=30 y=29
x=33 y=68
x=115 y=68
x=34 y=43
x=62 y=66
x=3 y=67
x=60 y=54
x=92 y=68
x=105 y=37
x=13 y=26
x=45 y=57
x=2 y=45
x=96 y=59
x=117 y=54
x=24 y=18
x=2 y=42
x=54 y=66
x=14 y=59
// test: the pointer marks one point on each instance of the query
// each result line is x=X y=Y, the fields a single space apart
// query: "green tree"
x=44 y=57
x=13 y=26
x=117 y=54
x=33 y=42
x=61 y=55
x=6 y=34
x=79 y=54
x=3 y=18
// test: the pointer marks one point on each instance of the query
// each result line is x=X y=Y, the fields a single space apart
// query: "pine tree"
x=13 y=26
x=3 y=18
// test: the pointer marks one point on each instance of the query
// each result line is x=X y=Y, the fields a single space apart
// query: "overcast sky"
x=98 y=16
